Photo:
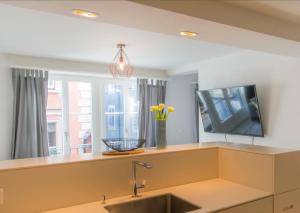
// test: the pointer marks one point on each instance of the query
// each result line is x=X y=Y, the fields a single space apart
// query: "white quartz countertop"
x=211 y=195
x=55 y=160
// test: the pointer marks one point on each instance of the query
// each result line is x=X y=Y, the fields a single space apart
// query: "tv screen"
x=233 y=110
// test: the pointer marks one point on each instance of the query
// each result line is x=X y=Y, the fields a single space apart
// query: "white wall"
x=278 y=87
x=6 y=103
x=181 y=126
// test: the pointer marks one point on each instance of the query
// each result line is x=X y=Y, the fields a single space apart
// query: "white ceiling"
x=31 y=32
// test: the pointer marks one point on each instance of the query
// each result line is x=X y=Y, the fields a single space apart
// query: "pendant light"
x=120 y=66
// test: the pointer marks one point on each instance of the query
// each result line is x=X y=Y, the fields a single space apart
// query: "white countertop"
x=211 y=195
x=54 y=160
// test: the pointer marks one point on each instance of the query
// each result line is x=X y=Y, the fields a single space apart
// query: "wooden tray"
x=113 y=152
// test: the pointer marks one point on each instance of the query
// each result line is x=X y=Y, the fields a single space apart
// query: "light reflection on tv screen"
x=233 y=110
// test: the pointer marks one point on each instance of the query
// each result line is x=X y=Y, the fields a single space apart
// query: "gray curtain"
x=150 y=92
x=29 y=133
x=197 y=107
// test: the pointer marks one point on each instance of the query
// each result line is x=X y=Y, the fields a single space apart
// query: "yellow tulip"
x=171 y=109
x=153 y=108
x=161 y=106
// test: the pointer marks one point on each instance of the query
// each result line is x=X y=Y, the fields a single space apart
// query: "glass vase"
x=161 y=139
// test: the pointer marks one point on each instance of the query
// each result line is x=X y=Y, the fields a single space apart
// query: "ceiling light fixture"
x=120 y=66
x=188 y=33
x=84 y=13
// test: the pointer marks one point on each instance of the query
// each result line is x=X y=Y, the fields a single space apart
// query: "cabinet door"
x=259 y=206
x=288 y=202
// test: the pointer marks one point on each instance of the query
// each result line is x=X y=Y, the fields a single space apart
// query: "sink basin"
x=166 y=203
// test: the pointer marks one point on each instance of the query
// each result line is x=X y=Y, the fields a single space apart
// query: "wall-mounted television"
x=232 y=110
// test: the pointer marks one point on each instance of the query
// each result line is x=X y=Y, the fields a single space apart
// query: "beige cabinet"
x=277 y=173
x=288 y=202
x=259 y=206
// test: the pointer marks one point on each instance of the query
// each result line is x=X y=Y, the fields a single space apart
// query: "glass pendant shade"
x=120 y=66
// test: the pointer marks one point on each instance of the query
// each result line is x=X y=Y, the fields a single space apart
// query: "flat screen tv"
x=233 y=110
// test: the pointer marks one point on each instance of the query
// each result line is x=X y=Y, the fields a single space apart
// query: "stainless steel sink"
x=166 y=203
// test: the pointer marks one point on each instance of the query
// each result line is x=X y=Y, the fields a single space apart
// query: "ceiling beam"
x=230 y=14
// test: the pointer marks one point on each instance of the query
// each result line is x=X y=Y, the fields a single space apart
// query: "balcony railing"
x=78 y=149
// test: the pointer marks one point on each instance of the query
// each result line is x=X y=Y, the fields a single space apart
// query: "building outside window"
x=80 y=117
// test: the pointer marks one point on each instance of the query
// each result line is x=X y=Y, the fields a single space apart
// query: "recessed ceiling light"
x=188 y=33
x=84 y=13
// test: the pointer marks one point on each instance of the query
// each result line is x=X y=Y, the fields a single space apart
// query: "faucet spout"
x=134 y=168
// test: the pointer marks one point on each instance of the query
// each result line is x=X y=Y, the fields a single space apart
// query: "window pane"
x=55 y=117
x=114 y=111
x=132 y=112
x=52 y=133
x=80 y=117
x=121 y=110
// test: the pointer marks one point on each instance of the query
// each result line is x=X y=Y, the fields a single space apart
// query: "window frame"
x=98 y=84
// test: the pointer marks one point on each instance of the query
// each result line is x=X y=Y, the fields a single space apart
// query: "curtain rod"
x=104 y=75
x=86 y=74
x=26 y=67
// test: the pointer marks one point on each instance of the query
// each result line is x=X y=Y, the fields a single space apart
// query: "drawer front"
x=259 y=206
x=288 y=202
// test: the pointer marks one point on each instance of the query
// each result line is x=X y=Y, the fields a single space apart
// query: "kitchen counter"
x=215 y=176
x=212 y=195
x=55 y=160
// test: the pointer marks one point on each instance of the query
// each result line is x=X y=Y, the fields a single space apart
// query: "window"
x=69 y=117
x=120 y=104
x=84 y=110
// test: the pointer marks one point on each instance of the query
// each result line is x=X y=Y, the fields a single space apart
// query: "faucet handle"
x=103 y=200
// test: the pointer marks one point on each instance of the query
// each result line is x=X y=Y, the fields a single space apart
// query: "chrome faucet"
x=135 y=185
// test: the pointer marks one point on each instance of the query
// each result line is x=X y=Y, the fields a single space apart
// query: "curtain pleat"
x=150 y=92
x=29 y=137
